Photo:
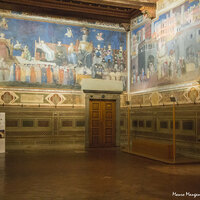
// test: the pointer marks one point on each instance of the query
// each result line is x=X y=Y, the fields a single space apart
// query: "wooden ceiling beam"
x=67 y=7
x=135 y=4
x=83 y=4
x=116 y=11
x=79 y=8
x=62 y=13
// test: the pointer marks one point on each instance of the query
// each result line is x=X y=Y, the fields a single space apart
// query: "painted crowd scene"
x=166 y=51
x=42 y=54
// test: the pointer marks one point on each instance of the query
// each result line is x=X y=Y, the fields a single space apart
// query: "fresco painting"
x=41 y=54
x=167 y=50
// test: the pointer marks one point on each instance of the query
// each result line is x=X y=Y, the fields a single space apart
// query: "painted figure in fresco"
x=85 y=51
x=112 y=75
x=33 y=74
x=3 y=24
x=142 y=74
x=72 y=58
x=172 y=64
x=69 y=33
x=85 y=31
x=104 y=51
x=94 y=70
x=123 y=79
x=138 y=78
x=44 y=74
x=106 y=74
x=170 y=70
x=122 y=67
x=99 y=72
x=103 y=64
x=23 y=72
x=116 y=66
x=71 y=77
x=61 y=75
x=148 y=73
x=66 y=76
x=56 y=74
x=12 y=72
x=2 y=35
x=183 y=66
x=99 y=36
x=109 y=55
x=49 y=74
x=38 y=73
x=61 y=54
x=18 y=46
x=134 y=78
x=26 y=53
x=151 y=68
x=17 y=73
x=97 y=59
x=4 y=47
x=120 y=56
x=28 y=74
x=166 y=68
x=118 y=76
x=4 y=71
x=191 y=58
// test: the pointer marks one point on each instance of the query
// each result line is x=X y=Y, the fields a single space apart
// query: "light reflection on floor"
x=92 y=175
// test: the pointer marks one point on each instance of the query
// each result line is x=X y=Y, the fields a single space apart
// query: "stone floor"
x=96 y=174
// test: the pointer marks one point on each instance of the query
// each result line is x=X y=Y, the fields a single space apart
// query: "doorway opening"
x=102 y=123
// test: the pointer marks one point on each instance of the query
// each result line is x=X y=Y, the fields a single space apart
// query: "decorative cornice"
x=126 y=26
x=149 y=11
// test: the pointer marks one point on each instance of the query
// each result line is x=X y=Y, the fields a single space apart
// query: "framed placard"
x=2 y=132
x=2 y=125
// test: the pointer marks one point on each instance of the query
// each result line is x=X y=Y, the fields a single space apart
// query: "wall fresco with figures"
x=166 y=51
x=42 y=54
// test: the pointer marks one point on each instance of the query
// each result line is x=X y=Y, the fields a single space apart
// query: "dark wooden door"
x=102 y=123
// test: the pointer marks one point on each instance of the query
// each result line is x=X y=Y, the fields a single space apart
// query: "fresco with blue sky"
x=42 y=54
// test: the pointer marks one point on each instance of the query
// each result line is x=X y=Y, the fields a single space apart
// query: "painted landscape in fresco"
x=167 y=51
x=41 y=54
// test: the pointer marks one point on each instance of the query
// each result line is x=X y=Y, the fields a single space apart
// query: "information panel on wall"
x=2 y=132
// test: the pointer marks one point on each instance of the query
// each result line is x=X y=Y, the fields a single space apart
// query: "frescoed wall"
x=43 y=54
x=166 y=51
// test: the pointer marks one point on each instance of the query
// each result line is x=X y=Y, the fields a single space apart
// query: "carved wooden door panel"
x=102 y=123
x=95 y=124
x=108 y=119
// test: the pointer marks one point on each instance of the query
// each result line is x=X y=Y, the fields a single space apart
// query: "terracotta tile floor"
x=97 y=174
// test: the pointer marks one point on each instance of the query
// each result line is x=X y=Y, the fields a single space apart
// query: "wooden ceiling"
x=115 y=11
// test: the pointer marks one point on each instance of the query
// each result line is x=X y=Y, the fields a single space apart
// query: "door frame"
x=102 y=96
x=102 y=129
